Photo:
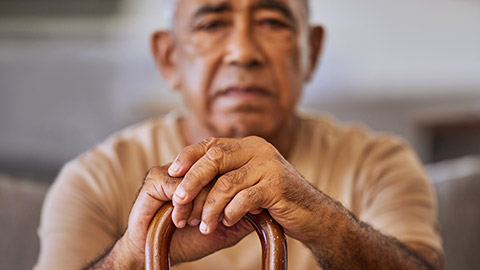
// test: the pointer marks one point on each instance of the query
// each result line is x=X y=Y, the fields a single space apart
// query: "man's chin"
x=241 y=125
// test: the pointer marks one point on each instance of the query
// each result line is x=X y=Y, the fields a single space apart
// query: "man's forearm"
x=347 y=243
x=116 y=257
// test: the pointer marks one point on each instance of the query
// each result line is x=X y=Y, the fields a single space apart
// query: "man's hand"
x=252 y=175
x=157 y=189
x=249 y=174
x=226 y=178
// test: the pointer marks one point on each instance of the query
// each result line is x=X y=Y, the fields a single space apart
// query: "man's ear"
x=317 y=38
x=163 y=52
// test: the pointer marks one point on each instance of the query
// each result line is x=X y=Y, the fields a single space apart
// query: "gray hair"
x=170 y=8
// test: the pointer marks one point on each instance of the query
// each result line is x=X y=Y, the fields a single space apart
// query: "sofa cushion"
x=20 y=207
x=457 y=184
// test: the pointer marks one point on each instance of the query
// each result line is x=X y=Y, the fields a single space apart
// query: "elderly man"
x=347 y=198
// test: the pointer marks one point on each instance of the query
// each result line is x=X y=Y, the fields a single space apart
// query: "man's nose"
x=243 y=50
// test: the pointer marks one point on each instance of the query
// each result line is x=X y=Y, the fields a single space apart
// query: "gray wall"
x=68 y=82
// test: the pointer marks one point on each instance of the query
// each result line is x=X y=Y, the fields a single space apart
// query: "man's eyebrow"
x=212 y=8
x=277 y=6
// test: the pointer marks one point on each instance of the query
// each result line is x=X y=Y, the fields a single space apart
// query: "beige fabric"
x=376 y=176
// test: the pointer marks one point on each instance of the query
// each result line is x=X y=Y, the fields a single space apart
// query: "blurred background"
x=72 y=72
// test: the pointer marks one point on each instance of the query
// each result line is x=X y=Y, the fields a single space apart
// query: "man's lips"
x=251 y=92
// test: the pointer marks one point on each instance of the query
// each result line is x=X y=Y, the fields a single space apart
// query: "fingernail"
x=194 y=222
x=174 y=168
x=182 y=223
x=180 y=193
x=225 y=222
x=203 y=227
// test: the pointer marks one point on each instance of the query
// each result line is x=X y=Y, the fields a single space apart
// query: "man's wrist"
x=132 y=257
x=334 y=219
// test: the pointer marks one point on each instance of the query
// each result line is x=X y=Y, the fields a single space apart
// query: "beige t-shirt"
x=377 y=177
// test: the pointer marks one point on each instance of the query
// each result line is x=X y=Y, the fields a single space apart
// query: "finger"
x=188 y=156
x=158 y=188
x=245 y=201
x=183 y=213
x=256 y=211
x=198 y=202
x=220 y=158
x=180 y=214
x=224 y=189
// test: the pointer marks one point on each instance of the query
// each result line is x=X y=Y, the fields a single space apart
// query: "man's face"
x=241 y=64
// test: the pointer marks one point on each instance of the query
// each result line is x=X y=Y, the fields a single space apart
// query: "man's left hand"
x=248 y=175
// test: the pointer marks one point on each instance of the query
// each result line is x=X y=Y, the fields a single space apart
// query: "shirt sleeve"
x=78 y=216
x=394 y=193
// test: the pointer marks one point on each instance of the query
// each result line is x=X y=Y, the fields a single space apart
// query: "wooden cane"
x=160 y=231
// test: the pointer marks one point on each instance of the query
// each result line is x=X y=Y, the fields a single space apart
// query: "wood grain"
x=160 y=231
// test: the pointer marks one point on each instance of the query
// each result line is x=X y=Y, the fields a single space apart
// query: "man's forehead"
x=233 y=2
x=224 y=5
x=183 y=12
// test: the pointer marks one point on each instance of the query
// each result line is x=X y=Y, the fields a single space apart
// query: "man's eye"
x=211 y=26
x=274 y=23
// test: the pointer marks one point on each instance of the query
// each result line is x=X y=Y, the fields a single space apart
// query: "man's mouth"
x=250 y=92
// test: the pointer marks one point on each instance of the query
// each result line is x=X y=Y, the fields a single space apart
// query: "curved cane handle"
x=160 y=231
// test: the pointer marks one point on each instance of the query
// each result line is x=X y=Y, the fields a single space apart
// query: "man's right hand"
x=188 y=244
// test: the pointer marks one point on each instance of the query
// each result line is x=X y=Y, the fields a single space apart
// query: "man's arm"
x=347 y=243
x=119 y=256
x=254 y=175
x=128 y=252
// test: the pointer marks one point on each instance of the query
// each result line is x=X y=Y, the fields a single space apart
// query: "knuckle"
x=151 y=173
x=229 y=213
x=208 y=142
x=182 y=212
x=250 y=196
x=192 y=177
x=225 y=183
x=189 y=152
x=261 y=144
x=158 y=178
x=170 y=181
x=184 y=209
x=255 y=139
x=210 y=202
x=154 y=170
x=244 y=172
x=195 y=179
x=269 y=147
x=229 y=148
x=276 y=165
x=215 y=154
